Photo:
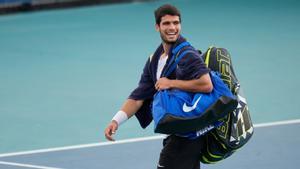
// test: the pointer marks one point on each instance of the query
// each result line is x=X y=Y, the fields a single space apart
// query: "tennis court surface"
x=274 y=145
x=65 y=73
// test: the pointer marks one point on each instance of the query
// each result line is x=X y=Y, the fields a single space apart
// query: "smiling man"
x=191 y=74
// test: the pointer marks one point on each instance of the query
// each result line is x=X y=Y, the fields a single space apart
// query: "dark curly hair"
x=166 y=9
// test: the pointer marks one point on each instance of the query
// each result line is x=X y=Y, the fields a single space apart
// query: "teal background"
x=64 y=73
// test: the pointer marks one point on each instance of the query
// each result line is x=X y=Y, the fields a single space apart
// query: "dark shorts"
x=180 y=153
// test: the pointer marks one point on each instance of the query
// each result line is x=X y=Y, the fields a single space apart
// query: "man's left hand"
x=163 y=83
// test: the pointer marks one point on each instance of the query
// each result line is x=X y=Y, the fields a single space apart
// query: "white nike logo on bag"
x=186 y=108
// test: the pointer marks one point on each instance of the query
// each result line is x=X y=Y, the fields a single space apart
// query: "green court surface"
x=64 y=73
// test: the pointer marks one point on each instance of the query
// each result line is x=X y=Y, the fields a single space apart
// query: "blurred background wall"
x=13 y=6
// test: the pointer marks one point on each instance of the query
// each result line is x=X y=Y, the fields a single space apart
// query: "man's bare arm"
x=130 y=107
x=202 y=84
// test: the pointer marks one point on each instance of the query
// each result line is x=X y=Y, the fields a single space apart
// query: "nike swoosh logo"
x=187 y=109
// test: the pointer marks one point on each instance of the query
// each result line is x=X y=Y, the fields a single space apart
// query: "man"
x=191 y=74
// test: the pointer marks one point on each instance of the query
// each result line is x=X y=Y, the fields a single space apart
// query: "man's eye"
x=176 y=23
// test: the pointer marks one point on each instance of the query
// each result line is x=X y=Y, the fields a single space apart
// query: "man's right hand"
x=110 y=130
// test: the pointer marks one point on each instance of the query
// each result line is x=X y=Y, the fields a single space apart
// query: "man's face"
x=169 y=28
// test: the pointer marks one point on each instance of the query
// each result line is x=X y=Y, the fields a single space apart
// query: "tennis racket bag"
x=237 y=127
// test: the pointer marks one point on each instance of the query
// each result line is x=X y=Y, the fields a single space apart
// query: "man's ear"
x=157 y=27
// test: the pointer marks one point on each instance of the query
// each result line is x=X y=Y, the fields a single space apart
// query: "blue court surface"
x=65 y=73
x=274 y=145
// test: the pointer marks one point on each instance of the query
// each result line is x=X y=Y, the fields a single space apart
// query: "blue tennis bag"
x=177 y=112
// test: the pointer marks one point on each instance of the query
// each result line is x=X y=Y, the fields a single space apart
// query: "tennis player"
x=179 y=152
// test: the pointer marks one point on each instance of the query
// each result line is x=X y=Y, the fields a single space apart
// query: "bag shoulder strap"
x=173 y=65
x=177 y=49
x=208 y=55
x=175 y=60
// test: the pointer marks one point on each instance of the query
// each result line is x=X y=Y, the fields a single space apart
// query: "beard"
x=166 y=40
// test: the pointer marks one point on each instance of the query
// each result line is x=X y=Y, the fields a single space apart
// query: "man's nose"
x=172 y=26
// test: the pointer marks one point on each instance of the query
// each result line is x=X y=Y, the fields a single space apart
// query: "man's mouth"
x=170 y=36
x=171 y=33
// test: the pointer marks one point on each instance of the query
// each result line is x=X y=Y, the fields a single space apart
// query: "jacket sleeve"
x=191 y=66
x=145 y=91
x=146 y=88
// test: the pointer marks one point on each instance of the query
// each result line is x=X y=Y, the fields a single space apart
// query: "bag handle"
x=172 y=67
x=180 y=46
x=172 y=64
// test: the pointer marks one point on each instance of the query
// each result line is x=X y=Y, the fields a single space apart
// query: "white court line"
x=83 y=146
x=286 y=122
x=277 y=123
x=26 y=165
x=128 y=141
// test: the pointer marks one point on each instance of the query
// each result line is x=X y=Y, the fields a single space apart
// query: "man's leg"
x=180 y=153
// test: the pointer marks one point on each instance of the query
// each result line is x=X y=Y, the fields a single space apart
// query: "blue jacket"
x=190 y=67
